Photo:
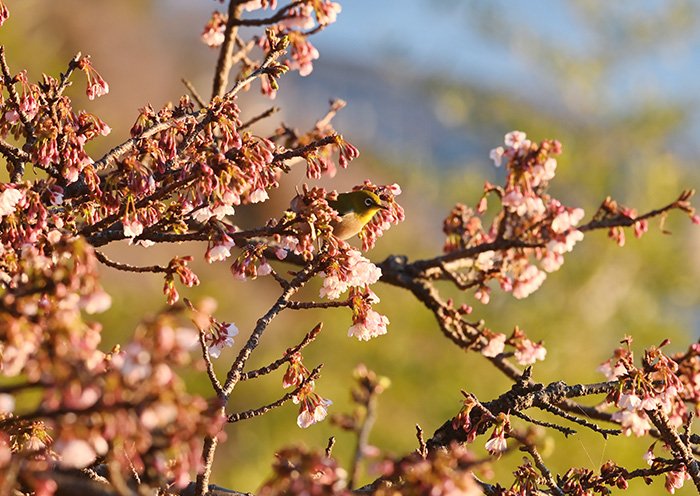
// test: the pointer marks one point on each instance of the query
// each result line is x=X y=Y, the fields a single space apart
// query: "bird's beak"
x=382 y=206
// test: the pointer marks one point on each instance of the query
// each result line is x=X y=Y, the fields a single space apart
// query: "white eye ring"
x=369 y=202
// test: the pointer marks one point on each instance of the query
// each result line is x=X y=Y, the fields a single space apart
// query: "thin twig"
x=259 y=117
x=16 y=158
x=363 y=439
x=308 y=338
x=65 y=76
x=577 y=420
x=281 y=15
x=9 y=83
x=303 y=150
x=564 y=430
x=130 y=268
x=309 y=305
x=329 y=446
x=210 y=366
x=422 y=448
x=193 y=91
x=539 y=463
x=335 y=106
x=256 y=412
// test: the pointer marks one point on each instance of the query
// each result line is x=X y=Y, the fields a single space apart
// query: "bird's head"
x=355 y=208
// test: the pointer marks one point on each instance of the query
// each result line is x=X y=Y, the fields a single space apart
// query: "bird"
x=355 y=208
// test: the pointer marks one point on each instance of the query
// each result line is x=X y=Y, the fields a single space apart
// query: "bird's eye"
x=369 y=202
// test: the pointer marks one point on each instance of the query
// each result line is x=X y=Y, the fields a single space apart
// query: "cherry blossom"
x=219 y=337
x=9 y=199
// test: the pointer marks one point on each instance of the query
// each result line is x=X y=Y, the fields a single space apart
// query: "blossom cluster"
x=448 y=471
x=91 y=399
x=312 y=407
x=526 y=352
x=472 y=418
x=657 y=386
x=383 y=219
x=298 y=470
x=536 y=229
x=297 y=22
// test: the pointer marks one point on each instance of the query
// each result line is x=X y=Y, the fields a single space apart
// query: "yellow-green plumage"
x=356 y=209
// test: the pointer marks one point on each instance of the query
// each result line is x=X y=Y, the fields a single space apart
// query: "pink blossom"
x=303 y=54
x=495 y=345
x=567 y=219
x=552 y=261
x=221 y=211
x=77 y=397
x=312 y=413
x=134 y=363
x=220 y=251
x=300 y=18
x=543 y=172
x=523 y=205
x=203 y=214
x=649 y=403
x=213 y=34
x=632 y=422
x=327 y=12
x=527 y=352
x=373 y=325
x=516 y=139
x=496 y=155
x=485 y=260
x=264 y=268
x=675 y=480
x=186 y=338
x=9 y=200
x=97 y=86
x=649 y=456
x=258 y=196
x=496 y=445
x=158 y=416
x=528 y=281
x=132 y=227
x=4 y=13
x=96 y=302
x=74 y=453
x=610 y=372
x=483 y=295
x=565 y=244
x=12 y=116
x=286 y=244
x=641 y=227
x=629 y=402
x=218 y=212
x=220 y=337
x=7 y=404
x=357 y=272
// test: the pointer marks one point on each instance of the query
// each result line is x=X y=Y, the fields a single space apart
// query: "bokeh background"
x=432 y=86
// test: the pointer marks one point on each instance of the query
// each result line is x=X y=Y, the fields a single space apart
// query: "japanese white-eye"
x=355 y=208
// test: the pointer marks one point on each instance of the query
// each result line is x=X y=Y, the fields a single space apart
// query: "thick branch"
x=223 y=64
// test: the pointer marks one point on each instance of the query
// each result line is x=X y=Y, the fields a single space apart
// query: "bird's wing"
x=335 y=204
